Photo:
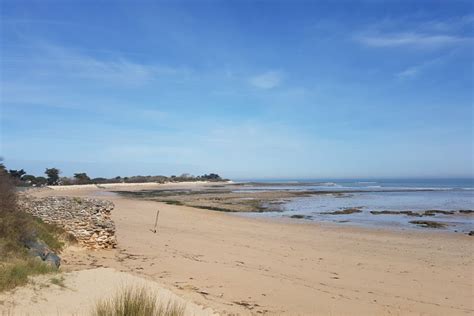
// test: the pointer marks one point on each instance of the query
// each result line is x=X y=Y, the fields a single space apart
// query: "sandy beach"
x=238 y=265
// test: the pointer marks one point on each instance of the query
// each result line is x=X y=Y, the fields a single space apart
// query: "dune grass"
x=16 y=272
x=136 y=301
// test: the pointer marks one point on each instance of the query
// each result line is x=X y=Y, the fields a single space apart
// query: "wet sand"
x=246 y=265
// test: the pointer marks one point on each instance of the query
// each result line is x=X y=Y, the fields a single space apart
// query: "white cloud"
x=410 y=72
x=411 y=39
x=410 y=32
x=50 y=60
x=268 y=80
x=416 y=70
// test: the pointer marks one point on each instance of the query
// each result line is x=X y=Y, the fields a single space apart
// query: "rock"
x=346 y=211
x=87 y=220
x=471 y=233
x=37 y=249
x=53 y=260
x=429 y=224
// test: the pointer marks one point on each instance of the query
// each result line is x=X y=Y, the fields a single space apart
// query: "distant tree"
x=211 y=177
x=53 y=175
x=99 y=180
x=17 y=174
x=66 y=181
x=41 y=181
x=82 y=178
x=29 y=178
x=2 y=166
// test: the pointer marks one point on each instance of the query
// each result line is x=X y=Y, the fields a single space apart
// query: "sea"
x=416 y=195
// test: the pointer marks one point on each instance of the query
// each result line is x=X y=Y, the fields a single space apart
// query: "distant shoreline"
x=121 y=184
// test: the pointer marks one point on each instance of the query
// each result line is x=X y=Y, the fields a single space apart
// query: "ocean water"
x=376 y=195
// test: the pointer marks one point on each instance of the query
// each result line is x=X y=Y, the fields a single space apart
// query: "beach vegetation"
x=16 y=272
x=17 y=228
x=137 y=301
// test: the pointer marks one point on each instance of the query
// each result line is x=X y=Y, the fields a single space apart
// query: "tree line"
x=52 y=177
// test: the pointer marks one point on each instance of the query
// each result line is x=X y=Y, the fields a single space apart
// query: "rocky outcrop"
x=88 y=220
x=39 y=249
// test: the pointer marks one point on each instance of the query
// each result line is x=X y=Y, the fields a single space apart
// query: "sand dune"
x=79 y=291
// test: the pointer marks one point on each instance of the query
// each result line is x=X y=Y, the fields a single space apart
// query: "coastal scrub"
x=17 y=228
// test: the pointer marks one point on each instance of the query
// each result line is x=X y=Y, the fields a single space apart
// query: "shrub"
x=136 y=301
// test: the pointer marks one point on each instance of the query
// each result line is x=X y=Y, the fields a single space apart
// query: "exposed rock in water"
x=432 y=212
x=411 y=213
x=408 y=213
x=300 y=216
x=429 y=224
x=344 y=211
x=87 y=220
x=471 y=233
x=466 y=211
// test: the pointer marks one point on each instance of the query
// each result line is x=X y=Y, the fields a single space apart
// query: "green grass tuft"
x=136 y=301
x=49 y=234
x=16 y=272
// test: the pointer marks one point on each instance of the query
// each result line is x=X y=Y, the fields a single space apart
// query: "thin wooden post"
x=156 y=221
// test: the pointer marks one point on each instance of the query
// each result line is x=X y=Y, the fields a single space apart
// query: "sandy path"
x=242 y=265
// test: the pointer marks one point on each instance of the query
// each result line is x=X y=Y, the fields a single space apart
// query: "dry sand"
x=247 y=266
x=79 y=292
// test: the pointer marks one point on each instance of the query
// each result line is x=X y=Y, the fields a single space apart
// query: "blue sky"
x=247 y=89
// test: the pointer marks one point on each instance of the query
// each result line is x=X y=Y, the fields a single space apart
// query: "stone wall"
x=88 y=220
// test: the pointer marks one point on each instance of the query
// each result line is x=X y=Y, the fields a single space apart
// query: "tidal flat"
x=392 y=207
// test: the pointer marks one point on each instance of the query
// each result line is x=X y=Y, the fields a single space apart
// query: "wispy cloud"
x=405 y=32
x=54 y=60
x=115 y=70
x=411 y=39
x=268 y=80
x=417 y=70
x=410 y=72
